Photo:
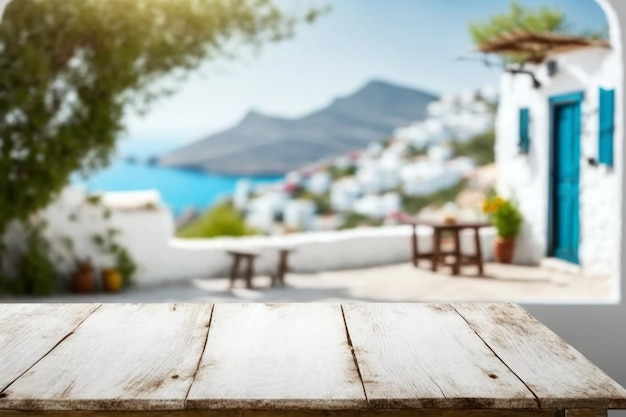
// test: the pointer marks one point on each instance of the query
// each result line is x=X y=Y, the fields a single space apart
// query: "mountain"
x=266 y=145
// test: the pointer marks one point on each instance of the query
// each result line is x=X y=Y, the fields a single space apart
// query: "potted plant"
x=83 y=278
x=111 y=280
x=507 y=220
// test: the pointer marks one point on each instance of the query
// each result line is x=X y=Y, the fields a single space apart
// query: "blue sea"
x=180 y=189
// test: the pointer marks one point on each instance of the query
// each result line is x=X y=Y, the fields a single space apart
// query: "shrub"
x=504 y=215
x=222 y=220
x=480 y=148
x=415 y=204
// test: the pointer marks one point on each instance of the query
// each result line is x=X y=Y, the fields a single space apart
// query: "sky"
x=414 y=43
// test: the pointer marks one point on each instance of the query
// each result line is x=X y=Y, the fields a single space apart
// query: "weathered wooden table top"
x=268 y=359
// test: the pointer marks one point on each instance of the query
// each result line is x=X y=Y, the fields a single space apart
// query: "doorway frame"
x=554 y=101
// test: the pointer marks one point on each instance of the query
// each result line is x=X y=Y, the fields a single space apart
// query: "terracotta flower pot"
x=111 y=280
x=504 y=249
x=83 y=279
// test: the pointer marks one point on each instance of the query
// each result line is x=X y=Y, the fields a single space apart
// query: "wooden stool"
x=282 y=267
x=238 y=255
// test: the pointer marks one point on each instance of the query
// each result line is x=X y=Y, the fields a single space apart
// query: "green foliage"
x=542 y=20
x=126 y=266
x=337 y=173
x=505 y=216
x=72 y=68
x=415 y=204
x=124 y=262
x=34 y=273
x=354 y=220
x=413 y=151
x=221 y=220
x=322 y=202
x=480 y=148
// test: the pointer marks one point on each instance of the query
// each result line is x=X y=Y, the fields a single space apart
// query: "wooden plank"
x=123 y=357
x=585 y=413
x=29 y=331
x=557 y=373
x=277 y=356
x=292 y=413
x=426 y=356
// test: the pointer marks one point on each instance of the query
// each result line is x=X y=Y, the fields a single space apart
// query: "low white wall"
x=314 y=252
x=161 y=258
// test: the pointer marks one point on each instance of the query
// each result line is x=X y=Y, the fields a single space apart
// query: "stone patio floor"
x=394 y=283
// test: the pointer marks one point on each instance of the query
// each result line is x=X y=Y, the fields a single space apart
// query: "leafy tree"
x=221 y=220
x=72 y=68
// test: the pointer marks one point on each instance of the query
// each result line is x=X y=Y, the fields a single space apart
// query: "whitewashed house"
x=343 y=162
x=344 y=193
x=378 y=206
x=241 y=195
x=378 y=177
x=263 y=211
x=424 y=178
x=319 y=182
x=439 y=153
x=294 y=177
x=299 y=215
x=557 y=158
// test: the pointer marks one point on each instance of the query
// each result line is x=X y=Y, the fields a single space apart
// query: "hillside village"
x=440 y=166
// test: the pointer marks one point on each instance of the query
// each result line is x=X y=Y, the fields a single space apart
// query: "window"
x=524 y=131
x=606 y=126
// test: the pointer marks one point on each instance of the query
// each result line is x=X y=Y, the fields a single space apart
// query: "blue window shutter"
x=524 y=131
x=606 y=126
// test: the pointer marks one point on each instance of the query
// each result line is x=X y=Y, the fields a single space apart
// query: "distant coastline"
x=181 y=189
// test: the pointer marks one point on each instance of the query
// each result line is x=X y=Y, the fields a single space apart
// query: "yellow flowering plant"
x=504 y=215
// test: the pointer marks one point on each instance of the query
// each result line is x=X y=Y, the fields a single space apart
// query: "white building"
x=293 y=177
x=454 y=117
x=242 y=193
x=299 y=215
x=319 y=182
x=439 y=153
x=424 y=178
x=344 y=193
x=557 y=157
x=462 y=165
x=263 y=211
x=378 y=177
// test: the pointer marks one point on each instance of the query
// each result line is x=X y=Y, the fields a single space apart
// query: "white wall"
x=599 y=332
x=148 y=235
x=526 y=177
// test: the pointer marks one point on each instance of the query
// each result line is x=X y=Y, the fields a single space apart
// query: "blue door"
x=565 y=218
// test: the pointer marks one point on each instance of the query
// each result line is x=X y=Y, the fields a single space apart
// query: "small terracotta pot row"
x=84 y=281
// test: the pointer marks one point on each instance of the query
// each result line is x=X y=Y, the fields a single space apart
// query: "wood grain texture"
x=557 y=373
x=277 y=356
x=29 y=331
x=585 y=413
x=426 y=356
x=123 y=357
x=291 y=413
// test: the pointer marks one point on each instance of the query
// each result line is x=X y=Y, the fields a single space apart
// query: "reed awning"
x=537 y=47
